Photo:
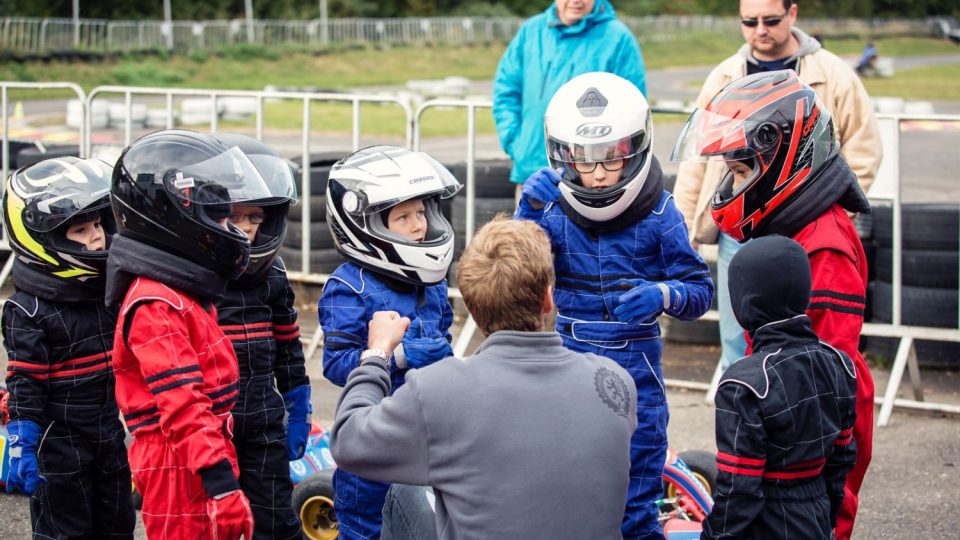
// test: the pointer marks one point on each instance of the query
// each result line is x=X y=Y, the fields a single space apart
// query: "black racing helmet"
x=170 y=189
x=277 y=174
x=40 y=204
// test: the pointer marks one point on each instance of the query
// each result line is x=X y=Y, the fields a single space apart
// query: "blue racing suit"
x=349 y=300
x=593 y=269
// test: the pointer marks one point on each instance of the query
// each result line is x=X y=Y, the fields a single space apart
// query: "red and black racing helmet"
x=774 y=134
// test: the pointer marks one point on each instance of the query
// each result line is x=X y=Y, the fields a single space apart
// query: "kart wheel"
x=703 y=465
x=313 y=500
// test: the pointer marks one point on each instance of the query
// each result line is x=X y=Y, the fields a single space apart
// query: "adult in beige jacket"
x=842 y=93
x=773 y=43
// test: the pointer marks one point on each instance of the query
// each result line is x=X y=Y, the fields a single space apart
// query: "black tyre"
x=921 y=267
x=699 y=332
x=704 y=466
x=920 y=306
x=313 y=502
x=322 y=261
x=484 y=210
x=925 y=226
x=319 y=235
x=492 y=178
x=31 y=155
x=318 y=209
x=320 y=164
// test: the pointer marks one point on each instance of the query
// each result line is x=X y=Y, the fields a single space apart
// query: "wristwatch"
x=378 y=354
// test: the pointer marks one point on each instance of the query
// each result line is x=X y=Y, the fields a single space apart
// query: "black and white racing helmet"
x=595 y=118
x=372 y=180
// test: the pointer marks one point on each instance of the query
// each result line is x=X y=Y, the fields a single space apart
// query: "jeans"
x=408 y=514
x=733 y=344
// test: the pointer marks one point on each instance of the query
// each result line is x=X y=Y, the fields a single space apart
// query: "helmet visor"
x=708 y=135
x=611 y=150
x=365 y=198
x=228 y=177
x=60 y=201
x=277 y=175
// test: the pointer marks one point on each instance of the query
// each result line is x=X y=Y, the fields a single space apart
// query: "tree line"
x=309 y=9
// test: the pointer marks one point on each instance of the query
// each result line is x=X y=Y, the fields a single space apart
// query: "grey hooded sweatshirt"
x=525 y=439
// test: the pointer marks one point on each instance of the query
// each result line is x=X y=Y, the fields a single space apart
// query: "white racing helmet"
x=599 y=117
x=373 y=180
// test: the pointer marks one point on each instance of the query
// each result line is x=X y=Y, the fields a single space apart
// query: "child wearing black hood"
x=785 y=414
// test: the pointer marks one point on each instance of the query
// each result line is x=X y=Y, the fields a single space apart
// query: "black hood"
x=769 y=281
x=835 y=182
x=42 y=285
x=130 y=258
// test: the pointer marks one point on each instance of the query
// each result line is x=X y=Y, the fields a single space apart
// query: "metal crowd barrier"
x=214 y=96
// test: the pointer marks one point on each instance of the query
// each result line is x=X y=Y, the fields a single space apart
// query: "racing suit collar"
x=43 y=285
x=130 y=258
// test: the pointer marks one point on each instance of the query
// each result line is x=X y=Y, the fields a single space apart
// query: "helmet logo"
x=419 y=179
x=592 y=103
x=593 y=130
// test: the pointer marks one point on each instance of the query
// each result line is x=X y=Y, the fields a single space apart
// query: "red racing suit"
x=839 y=269
x=176 y=381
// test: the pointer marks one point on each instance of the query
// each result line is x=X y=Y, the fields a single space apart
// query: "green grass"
x=243 y=67
x=931 y=82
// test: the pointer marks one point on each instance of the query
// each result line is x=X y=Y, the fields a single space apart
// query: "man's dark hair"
x=787 y=4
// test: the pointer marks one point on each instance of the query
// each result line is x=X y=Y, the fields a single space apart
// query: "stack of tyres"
x=929 y=272
x=494 y=192
x=323 y=256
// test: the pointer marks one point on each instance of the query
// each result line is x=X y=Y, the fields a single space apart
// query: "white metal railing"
x=890 y=125
x=306 y=98
x=31 y=35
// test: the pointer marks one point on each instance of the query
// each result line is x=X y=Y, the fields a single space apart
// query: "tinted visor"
x=708 y=135
x=67 y=201
x=225 y=178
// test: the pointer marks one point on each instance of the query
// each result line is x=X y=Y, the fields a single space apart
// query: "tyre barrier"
x=929 y=275
x=323 y=256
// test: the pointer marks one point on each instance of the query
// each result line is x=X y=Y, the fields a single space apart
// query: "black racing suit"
x=260 y=319
x=59 y=341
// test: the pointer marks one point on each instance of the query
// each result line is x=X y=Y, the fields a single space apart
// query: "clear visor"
x=443 y=184
x=570 y=152
x=66 y=190
x=708 y=135
x=278 y=175
x=228 y=177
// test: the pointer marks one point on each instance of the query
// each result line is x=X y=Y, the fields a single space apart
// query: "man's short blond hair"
x=504 y=275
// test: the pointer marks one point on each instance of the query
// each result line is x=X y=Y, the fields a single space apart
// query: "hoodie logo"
x=612 y=391
x=592 y=103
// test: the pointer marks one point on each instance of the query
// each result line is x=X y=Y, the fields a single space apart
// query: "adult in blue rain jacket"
x=621 y=255
x=569 y=38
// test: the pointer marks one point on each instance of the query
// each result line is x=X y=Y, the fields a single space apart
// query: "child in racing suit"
x=786 y=177
x=621 y=253
x=258 y=316
x=66 y=440
x=383 y=211
x=785 y=413
x=177 y=374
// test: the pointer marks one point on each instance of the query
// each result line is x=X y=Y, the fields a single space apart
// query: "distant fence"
x=21 y=36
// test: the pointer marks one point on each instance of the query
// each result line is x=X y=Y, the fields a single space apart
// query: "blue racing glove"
x=297 y=403
x=541 y=186
x=24 y=470
x=642 y=304
x=421 y=352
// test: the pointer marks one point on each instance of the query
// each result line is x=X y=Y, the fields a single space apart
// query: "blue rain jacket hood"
x=543 y=56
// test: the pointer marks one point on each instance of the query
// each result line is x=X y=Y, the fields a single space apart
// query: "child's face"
x=248 y=219
x=409 y=220
x=741 y=172
x=89 y=233
x=598 y=175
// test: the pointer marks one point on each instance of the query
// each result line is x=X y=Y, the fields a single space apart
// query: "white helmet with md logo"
x=369 y=182
x=600 y=117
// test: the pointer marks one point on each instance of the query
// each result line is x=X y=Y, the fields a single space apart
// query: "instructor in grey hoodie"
x=524 y=439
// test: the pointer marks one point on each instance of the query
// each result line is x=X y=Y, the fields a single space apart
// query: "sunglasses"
x=584 y=167
x=753 y=22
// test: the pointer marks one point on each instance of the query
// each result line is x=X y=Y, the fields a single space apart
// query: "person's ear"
x=548 y=300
